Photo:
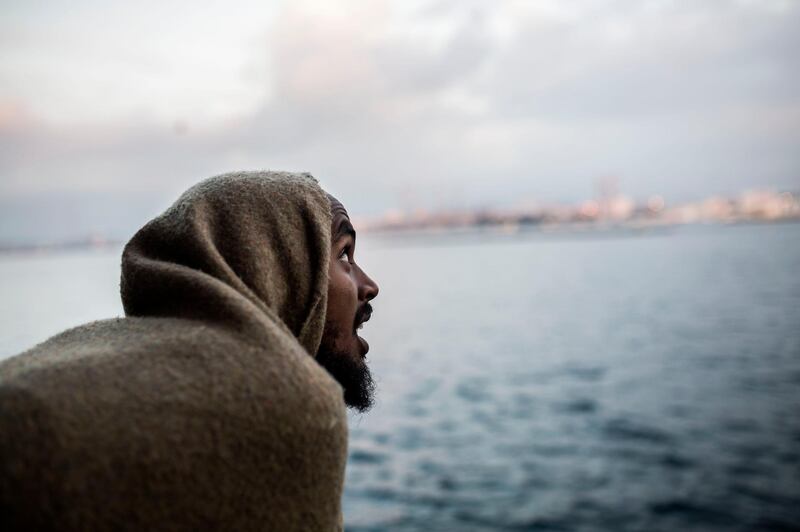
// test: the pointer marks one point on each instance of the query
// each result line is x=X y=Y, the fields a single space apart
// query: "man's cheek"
x=344 y=287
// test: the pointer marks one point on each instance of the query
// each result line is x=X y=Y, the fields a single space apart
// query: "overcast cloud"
x=108 y=112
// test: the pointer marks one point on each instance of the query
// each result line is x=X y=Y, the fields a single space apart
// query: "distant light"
x=655 y=203
x=590 y=209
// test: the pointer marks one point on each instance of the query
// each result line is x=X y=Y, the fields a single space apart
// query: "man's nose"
x=368 y=288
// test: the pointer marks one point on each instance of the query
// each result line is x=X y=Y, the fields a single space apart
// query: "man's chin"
x=353 y=374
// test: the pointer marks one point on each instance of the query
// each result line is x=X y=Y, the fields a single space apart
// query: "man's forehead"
x=340 y=221
x=337 y=209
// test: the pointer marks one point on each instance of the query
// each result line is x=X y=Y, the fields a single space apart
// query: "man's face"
x=342 y=352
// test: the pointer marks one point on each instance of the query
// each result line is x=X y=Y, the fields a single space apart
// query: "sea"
x=604 y=380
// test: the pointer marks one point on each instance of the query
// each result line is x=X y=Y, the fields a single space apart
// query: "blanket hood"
x=244 y=250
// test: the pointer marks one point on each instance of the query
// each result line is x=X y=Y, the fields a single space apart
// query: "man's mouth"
x=364 y=346
x=363 y=315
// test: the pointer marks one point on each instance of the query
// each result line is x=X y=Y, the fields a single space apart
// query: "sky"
x=109 y=110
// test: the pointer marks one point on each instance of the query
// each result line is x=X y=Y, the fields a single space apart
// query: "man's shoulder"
x=180 y=358
x=109 y=341
x=199 y=410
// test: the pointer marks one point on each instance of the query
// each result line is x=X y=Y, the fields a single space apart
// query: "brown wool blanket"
x=203 y=408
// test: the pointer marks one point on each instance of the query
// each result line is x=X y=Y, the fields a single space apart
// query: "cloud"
x=457 y=103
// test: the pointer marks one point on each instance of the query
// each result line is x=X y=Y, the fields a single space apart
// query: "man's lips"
x=364 y=345
x=363 y=315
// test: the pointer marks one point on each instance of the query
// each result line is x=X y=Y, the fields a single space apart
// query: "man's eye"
x=345 y=255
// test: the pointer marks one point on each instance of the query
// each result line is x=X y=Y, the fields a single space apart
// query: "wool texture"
x=203 y=408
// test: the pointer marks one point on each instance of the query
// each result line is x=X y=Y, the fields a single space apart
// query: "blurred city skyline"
x=108 y=111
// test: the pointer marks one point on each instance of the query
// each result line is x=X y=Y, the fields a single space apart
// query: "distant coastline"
x=610 y=214
x=612 y=211
x=36 y=248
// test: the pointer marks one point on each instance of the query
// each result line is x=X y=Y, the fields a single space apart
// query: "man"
x=207 y=406
x=342 y=351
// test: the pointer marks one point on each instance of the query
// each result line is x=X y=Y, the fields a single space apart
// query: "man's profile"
x=207 y=407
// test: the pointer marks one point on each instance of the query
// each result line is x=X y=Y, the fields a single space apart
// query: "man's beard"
x=353 y=375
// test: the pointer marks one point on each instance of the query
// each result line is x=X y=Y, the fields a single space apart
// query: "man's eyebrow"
x=344 y=228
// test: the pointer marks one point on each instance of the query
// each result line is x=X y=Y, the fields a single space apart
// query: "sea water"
x=602 y=381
